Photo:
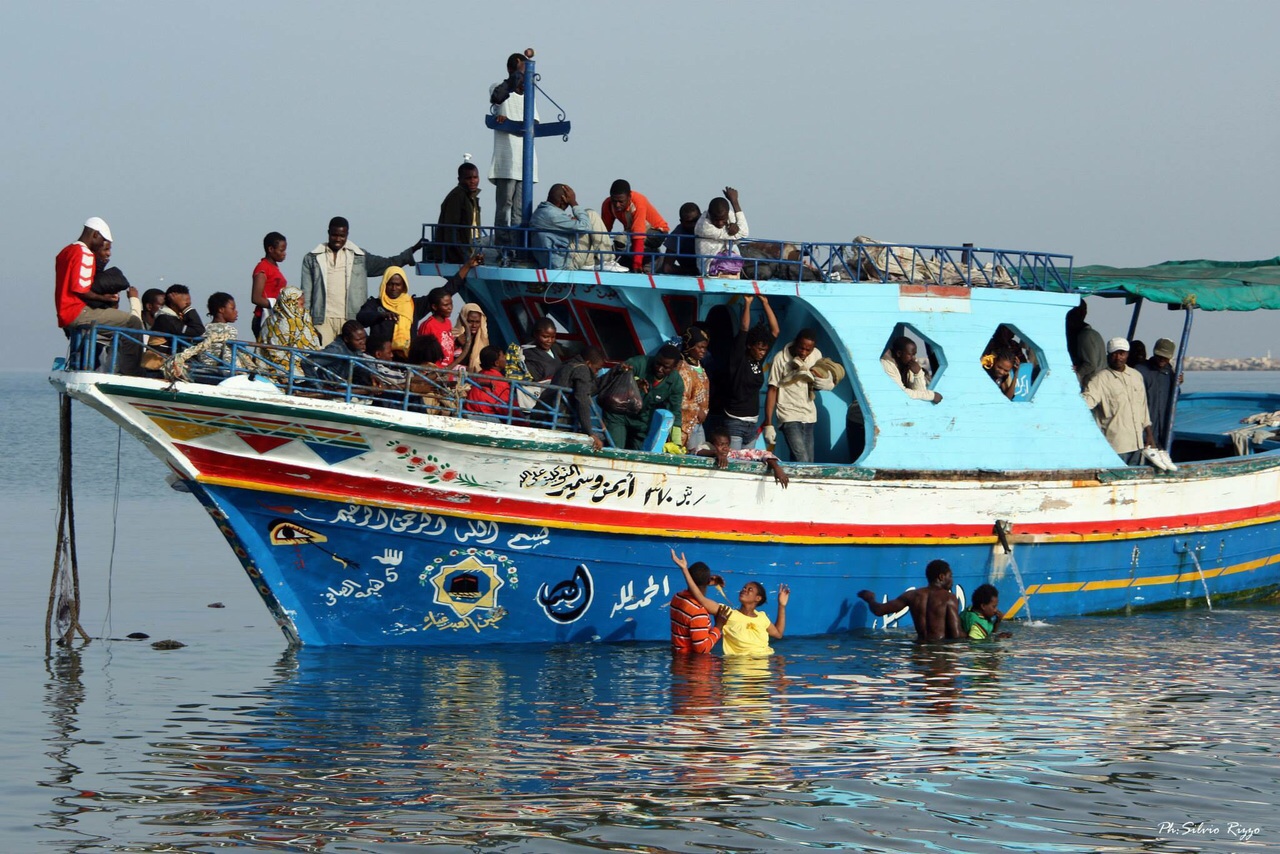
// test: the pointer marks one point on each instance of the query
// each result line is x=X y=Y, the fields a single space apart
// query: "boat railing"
x=333 y=376
x=860 y=260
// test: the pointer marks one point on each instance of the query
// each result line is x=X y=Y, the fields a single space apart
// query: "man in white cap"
x=76 y=301
x=1119 y=403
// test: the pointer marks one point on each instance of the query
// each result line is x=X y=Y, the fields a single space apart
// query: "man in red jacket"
x=78 y=303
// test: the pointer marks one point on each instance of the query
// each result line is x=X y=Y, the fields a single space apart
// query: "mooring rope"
x=62 y=619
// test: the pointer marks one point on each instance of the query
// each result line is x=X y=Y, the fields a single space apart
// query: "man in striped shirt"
x=693 y=629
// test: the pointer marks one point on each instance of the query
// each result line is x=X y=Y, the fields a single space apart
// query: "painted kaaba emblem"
x=468 y=580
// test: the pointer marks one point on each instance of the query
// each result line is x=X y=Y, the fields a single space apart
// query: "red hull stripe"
x=276 y=476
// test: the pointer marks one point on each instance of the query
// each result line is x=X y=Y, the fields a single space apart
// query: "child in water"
x=979 y=620
x=746 y=630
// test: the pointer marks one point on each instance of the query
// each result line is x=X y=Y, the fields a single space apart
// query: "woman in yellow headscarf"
x=393 y=313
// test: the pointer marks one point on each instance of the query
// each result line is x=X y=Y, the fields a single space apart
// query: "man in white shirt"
x=718 y=228
x=506 y=169
x=1118 y=399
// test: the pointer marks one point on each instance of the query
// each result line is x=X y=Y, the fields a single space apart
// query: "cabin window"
x=682 y=310
x=610 y=329
x=929 y=355
x=1014 y=362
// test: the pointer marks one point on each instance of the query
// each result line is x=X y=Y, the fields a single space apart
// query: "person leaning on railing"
x=646 y=227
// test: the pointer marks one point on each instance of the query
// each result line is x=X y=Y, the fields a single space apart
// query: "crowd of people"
x=710 y=379
x=1129 y=397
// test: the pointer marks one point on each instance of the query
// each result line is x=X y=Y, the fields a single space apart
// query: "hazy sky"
x=1120 y=133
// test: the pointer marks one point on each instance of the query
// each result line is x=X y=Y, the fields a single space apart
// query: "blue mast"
x=526 y=177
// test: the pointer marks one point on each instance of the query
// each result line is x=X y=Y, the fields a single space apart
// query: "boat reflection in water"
x=1064 y=736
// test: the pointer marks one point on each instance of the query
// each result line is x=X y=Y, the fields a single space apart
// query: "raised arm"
x=768 y=313
x=893 y=606
x=746 y=312
x=259 y=294
x=711 y=605
x=777 y=629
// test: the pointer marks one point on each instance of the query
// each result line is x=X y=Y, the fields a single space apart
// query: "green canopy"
x=1210 y=285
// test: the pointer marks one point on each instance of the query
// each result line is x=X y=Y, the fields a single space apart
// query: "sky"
x=1120 y=133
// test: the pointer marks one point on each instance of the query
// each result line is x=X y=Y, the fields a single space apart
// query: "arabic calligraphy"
x=477 y=622
x=569 y=599
x=628 y=601
x=349 y=587
x=412 y=522
x=565 y=481
x=664 y=495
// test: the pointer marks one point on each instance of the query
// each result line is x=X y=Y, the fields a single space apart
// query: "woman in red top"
x=268 y=281
x=492 y=394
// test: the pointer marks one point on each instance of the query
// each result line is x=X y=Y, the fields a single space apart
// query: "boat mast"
x=1190 y=309
x=526 y=176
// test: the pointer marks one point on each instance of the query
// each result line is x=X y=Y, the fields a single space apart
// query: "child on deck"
x=746 y=630
x=492 y=394
x=980 y=619
x=718 y=446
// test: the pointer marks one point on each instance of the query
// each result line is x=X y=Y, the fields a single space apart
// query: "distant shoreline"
x=1253 y=363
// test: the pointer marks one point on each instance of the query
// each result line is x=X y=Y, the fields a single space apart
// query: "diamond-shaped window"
x=920 y=361
x=1014 y=362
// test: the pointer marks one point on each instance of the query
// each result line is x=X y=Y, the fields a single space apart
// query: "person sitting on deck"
x=492 y=394
x=439 y=322
x=458 y=231
x=718 y=229
x=791 y=395
x=660 y=387
x=394 y=314
x=343 y=361
x=717 y=445
x=433 y=384
x=645 y=227
x=74 y=300
x=568 y=236
x=681 y=255
x=746 y=630
x=579 y=376
x=177 y=317
x=471 y=333
x=934 y=609
x=1001 y=367
x=288 y=325
x=1160 y=383
x=980 y=620
x=211 y=358
x=384 y=375
x=900 y=365
x=1119 y=403
x=152 y=302
x=537 y=361
x=268 y=282
x=693 y=628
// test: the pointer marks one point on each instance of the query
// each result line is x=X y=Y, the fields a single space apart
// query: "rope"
x=62 y=618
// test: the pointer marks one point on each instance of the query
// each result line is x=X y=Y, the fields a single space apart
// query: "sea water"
x=1150 y=733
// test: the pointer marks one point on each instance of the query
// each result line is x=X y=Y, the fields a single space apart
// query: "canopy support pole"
x=1177 y=373
x=1133 y=319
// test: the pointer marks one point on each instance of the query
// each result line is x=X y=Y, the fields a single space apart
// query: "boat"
x=375 y=518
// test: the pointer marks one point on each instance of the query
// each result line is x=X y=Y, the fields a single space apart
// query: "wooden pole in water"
x=63 y=615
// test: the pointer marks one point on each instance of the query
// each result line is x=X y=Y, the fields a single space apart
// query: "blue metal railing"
x=782 y=260
x=333 y=376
